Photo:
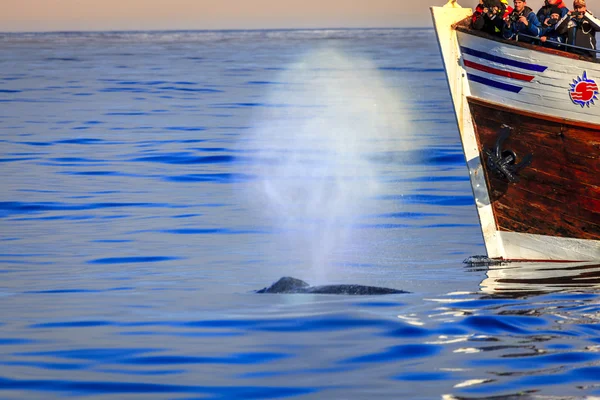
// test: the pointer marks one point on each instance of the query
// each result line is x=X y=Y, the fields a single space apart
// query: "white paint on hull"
x=525 y=246
x=444 y=18
x=548 y=92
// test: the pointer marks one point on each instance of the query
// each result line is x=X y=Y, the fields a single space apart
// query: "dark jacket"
x=492 y=25
x=544 y=13
x=533 y=29
x=492 y=21
x=548 y=27
x=478 y=13
x=580 y=32
x=552 y=37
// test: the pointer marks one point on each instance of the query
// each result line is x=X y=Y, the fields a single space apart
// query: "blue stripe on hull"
x=495 y=84
x=502 y=60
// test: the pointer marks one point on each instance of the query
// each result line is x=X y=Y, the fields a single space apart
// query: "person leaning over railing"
x=521 y=20
x=580 y=27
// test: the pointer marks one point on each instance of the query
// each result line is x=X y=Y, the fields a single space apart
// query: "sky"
x=90 y=15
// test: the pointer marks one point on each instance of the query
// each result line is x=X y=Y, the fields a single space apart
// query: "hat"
x=554 y=10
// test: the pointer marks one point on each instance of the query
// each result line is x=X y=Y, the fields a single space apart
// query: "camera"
x=493 y=11
x=576 y=14
x=514 y=17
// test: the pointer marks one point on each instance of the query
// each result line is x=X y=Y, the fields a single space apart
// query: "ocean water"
x=151 y=181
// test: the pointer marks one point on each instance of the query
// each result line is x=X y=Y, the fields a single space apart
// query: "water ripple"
x=18 y=207
x=502 y=324
x=90 y=354
x=97 y=387
x=73 y=324
x=84 y=141
x=440 y=200
x=217 y=178
x=397 y=353
x=188 y=159
x=15 y=341
x=242 y=358
x=129 y=260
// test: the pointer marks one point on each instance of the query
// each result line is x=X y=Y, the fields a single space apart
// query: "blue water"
x=151 y=181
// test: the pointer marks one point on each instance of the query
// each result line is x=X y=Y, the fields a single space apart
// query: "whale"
x=288 y=284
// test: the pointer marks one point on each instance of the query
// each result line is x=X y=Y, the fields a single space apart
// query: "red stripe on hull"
x=499 y=72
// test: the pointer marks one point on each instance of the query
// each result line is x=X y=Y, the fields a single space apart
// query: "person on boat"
x=507 y=9
x=543 y=14
x=478 y=12
x=490 y=17
x=548 y=35
x=521 y=21
x=580 y=27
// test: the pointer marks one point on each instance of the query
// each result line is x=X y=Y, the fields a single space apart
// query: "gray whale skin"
x=293 y=285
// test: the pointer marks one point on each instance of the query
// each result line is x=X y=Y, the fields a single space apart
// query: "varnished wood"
x=569 y=124
x=559 y=193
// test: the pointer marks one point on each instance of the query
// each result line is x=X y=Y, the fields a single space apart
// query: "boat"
x=529 y=122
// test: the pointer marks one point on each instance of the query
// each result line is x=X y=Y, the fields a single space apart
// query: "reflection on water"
x=535 y=328
x=522 y=279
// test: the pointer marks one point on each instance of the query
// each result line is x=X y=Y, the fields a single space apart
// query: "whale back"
x=353 y=290
x=286 y=284
x=292 y=285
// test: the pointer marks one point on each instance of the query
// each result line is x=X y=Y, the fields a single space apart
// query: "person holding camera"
x=548 y=35
x=490 y=19
x=543 y=14
x=521 y=21
x=580 y=27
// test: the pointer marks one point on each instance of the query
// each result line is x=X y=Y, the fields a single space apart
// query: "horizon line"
x=211 y=30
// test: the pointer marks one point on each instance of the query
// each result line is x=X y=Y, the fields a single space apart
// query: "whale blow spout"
x=292 y=285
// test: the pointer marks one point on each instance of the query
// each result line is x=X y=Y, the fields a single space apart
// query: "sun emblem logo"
x=583 y=90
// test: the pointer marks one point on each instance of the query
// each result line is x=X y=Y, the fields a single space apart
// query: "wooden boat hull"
x=553 y=212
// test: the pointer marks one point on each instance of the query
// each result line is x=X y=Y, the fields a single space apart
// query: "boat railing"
x=534 y=41
x=559 y=44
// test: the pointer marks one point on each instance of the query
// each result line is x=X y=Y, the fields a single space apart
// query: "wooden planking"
x=523 y=214
x=522 y=204
x=558 y=156
x=543 y=118
x=566 y=156
x=562 y=156
x=559 y=193
x=587 y=208
x=579 y=140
